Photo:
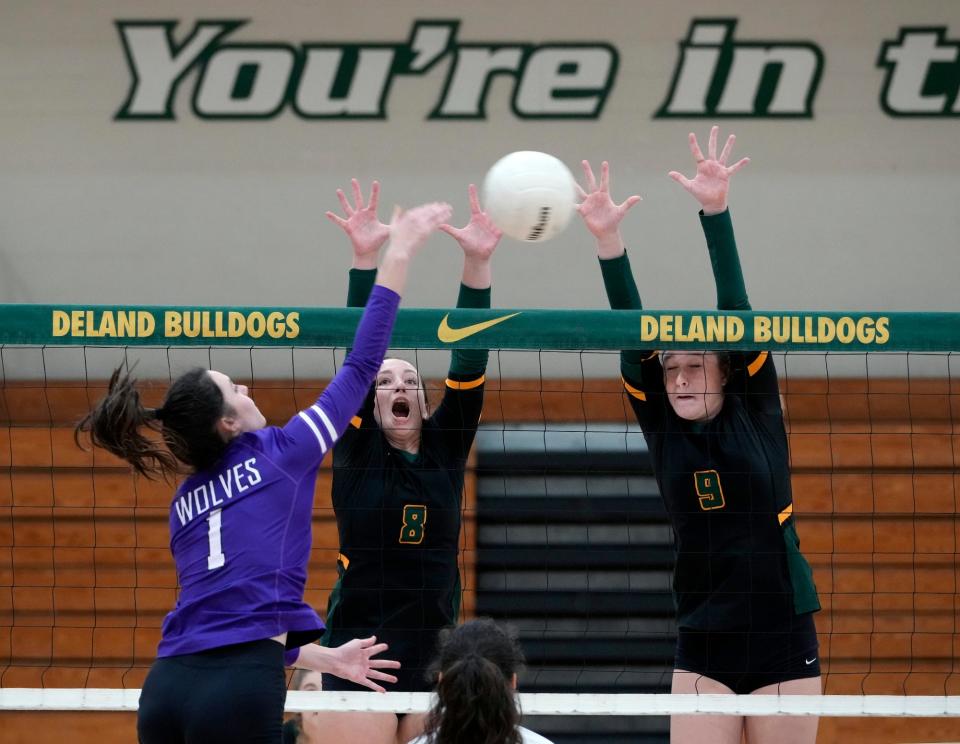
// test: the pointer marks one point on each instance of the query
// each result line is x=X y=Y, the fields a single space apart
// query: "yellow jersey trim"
x=785 y=514
x=638 y=394
x=467 y=385
x=757 y=363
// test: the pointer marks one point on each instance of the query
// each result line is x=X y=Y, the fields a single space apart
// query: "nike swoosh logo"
x=810 y=662
x=449 y=335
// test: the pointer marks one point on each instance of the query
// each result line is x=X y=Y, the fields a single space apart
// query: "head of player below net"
x=694 y=381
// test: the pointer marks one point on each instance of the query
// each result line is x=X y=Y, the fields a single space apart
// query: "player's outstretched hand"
x=479 y=238
x=354 y=663
x=712 y=181
x=600 y=213
x=410 y=229
x=366 y=232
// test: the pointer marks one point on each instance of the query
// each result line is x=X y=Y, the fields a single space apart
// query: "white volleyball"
x=529 y=195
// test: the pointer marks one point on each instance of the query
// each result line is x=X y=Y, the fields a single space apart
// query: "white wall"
x=852 y=209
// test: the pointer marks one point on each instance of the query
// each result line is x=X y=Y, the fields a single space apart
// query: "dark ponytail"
x=187 y=421
x=476 y=702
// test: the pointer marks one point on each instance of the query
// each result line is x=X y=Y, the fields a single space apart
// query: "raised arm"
x=752 y=374
x=710 y=187
x=640 y=368
x=478 y=240
x=367 y=235
x=327 y=419
x=602 y=217
x=462 y=403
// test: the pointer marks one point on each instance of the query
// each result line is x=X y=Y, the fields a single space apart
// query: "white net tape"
x=937 y=706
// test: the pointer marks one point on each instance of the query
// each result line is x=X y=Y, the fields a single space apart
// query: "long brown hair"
x=476 y=702
x=187 y=421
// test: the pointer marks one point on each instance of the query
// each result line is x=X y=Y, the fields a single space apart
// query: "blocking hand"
x=712 y=181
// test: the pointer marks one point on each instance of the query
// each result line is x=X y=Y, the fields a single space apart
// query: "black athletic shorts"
x=745 y=661
x=229 y=695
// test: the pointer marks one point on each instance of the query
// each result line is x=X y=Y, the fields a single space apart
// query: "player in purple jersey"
x=240 y=526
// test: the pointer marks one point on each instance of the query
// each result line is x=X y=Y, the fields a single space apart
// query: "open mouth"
x=401 y=409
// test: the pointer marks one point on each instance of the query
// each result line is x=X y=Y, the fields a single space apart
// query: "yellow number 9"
x=709 y=489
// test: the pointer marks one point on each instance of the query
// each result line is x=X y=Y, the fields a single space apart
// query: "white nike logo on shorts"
x=810 y=661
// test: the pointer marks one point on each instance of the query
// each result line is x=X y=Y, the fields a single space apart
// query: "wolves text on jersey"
x=214 y=492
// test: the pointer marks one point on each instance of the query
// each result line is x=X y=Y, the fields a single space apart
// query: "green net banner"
x=71 y=325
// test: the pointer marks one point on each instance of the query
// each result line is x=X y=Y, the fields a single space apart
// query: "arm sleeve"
x=313 y=431
x=470 y=363
x=641 y=370
x=458 y=414
x=753 y=375
x=622 y=294
x=360 y=286
x=290 y=656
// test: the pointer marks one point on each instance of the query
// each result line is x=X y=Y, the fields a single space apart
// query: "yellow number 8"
x=414 y=519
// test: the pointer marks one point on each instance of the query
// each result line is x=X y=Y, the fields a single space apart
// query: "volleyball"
x=529 y=195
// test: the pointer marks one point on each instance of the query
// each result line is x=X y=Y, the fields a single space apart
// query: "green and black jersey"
x=725 y=482
x=399 y=516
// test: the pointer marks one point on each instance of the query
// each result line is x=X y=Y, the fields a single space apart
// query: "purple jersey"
x=240 y=532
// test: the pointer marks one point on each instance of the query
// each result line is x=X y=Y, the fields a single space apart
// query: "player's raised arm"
x=459 y=412
x=600 y=213
x=367 y=235
x=752 y=375
x=346 y=392
x=602 y=216
x=478 y=240
x=710 y=187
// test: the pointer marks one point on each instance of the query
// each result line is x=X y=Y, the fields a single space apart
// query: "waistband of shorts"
x=265 y=651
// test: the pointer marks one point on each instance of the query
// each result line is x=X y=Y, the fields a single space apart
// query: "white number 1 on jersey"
x=216 y=559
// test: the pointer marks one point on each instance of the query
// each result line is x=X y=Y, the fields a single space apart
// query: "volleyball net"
x=564 y=534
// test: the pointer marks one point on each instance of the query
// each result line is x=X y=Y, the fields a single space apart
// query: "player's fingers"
x=712 y=142
x=344 y=203
x=629 y=202
x=695 y=148
x=374 y=195
x=383 y=664
x=371 y=685
x=605 y=176
x=738 y=165
x=439 y=213
x=381 y=676
x=375 y=648
x=581 y=194
x=588 y=176
x=474 y=199
x=435 y=215
x=357 y=193
x=336 y=219
x=727 y=149
x=681 y=179
x=450 y=230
